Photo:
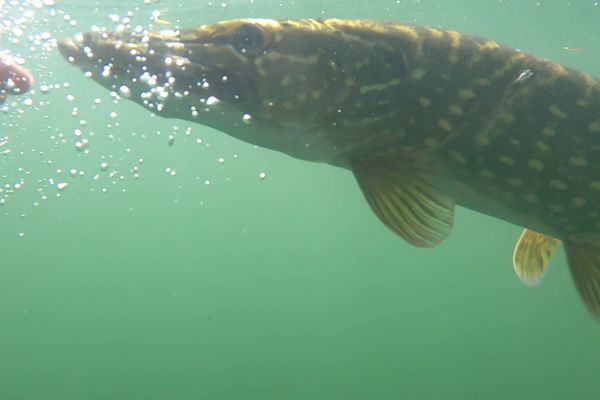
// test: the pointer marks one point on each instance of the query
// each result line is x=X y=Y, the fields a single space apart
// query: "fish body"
x=425 y=118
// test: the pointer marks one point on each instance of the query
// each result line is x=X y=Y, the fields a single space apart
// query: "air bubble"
x=124 y=90
x=170 y=171
x=212 y=100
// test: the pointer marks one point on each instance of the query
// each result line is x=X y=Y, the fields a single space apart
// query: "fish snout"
x=68 y=49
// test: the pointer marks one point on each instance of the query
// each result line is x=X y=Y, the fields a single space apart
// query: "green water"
x=212 y=283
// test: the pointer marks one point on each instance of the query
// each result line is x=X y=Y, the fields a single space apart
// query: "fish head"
x=260 y=80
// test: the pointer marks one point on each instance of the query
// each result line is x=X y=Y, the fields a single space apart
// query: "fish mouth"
x=68 y=48
x=91 y=48
x=158 y=70
x=143 y=60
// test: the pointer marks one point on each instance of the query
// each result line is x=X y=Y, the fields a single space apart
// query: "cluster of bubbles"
x=76 y=156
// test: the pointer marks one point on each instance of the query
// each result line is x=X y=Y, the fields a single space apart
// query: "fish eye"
x=248 y=39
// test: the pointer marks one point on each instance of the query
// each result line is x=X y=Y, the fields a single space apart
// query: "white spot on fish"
x=558 y=184
x=445 y=124
x=548 y=131
x=536 y=165
x=486 y=173
x=424 y=101
x=507 y=160
x=430 y=142
x=578 y=161
x=531 y=198
x=455 y=109
x=594 y=127
x=515 y=182
x=466 y=94
x=417 y=74
x=459 y=158
x=556 y=111
x=542 y=146
x=579 y=202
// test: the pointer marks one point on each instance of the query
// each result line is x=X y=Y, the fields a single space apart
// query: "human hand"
x=14 y=79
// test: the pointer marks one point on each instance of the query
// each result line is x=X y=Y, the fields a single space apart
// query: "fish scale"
x=425 y=118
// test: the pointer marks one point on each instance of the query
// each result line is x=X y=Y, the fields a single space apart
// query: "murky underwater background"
x=211 y=269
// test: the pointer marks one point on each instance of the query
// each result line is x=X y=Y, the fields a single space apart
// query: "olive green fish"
x=425 y=119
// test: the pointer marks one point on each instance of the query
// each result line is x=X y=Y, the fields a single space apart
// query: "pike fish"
x=425 y=119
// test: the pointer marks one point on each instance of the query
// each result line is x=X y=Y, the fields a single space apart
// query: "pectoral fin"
x=584 y=262
x=532 y=254
x=408 y=196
